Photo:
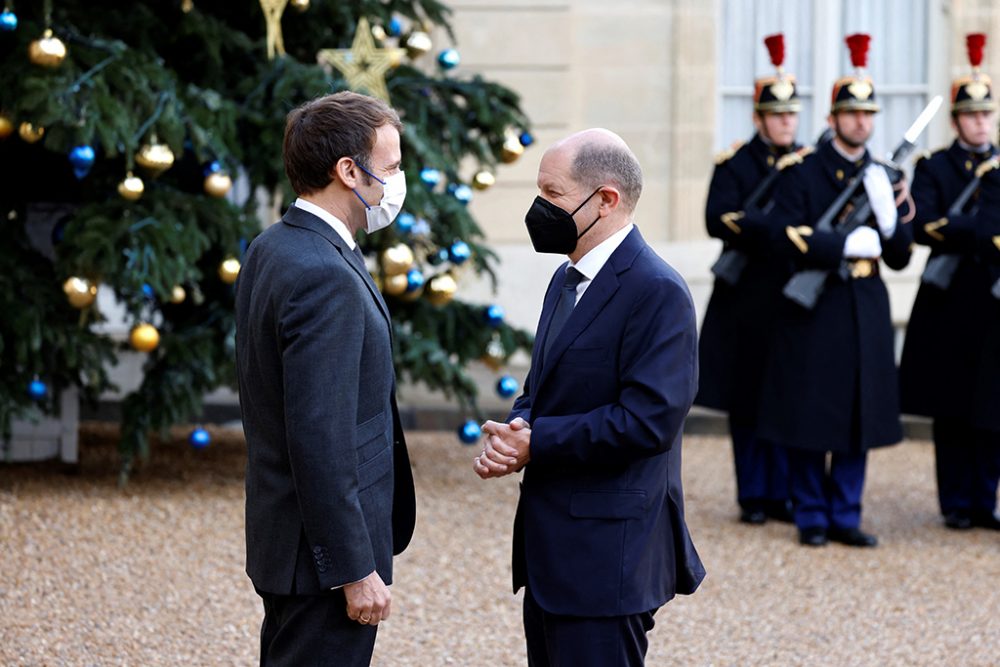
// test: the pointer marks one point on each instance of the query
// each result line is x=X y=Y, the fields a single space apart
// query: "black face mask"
x=552 y=229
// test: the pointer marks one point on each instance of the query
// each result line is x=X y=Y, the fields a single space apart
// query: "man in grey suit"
x=329 y=492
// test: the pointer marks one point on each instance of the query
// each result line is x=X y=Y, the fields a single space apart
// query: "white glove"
x=863 y=243
x=881 y=197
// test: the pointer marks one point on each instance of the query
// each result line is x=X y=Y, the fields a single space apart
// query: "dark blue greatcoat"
x=831 y=380
x=943 y=371
x=736 y=330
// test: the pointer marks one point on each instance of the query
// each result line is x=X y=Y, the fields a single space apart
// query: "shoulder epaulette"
x=988 y=165
x=729 y=152
x=922 y=155
x=795 y=157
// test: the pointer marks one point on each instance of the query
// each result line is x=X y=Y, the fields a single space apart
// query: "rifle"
x=731 y=263
x=805 y=286
x=940 y=270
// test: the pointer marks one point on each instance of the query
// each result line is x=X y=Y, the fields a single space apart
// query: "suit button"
x=317 y=550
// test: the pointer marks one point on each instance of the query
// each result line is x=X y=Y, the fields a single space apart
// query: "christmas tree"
x=122 y=131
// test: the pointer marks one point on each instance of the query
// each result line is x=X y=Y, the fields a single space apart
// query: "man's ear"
x=345 y=172
x=610 y=199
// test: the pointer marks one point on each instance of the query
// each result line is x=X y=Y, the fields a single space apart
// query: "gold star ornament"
x=363 y=65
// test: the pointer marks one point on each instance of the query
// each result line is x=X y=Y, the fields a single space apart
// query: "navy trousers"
x=761 y=469
x=826 y=497
x=968 y=466
x=577 y=641
x=313 y=630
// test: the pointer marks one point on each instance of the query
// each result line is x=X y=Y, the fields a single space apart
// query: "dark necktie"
x=567 y=299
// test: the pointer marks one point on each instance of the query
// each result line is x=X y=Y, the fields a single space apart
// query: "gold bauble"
x=228 y=270
x=395 y=284
x=48 y=51
x=299 y=5
x=80 y=292
x=378 y=32
x=131 y=187
x=6 y=126
x=495 y=355
x=397 y=259
x=155 y=157
x=144 y=337
x=441 y=289
x=512 y=149
x=417 y=44
x=29 y=133
x=177 y=294
x=218 y=184
x=483 y=180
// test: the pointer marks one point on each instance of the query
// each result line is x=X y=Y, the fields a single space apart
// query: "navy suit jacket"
x=329 y=492
x=600 y=528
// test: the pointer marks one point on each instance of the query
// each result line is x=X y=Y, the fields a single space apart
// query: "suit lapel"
x=296 y=217
x=598 y=293
x=603 y=287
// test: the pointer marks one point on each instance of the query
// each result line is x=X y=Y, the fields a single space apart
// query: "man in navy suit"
x=328 y=482
x=600 y=541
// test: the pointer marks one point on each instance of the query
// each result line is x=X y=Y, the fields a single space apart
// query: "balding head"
x=600 y=157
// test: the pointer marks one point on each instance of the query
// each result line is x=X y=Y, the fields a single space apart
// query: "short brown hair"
x=321 y=131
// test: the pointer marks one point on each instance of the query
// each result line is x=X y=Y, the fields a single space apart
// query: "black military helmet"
x=777 y=93
x=855 y=92
x=973 y=92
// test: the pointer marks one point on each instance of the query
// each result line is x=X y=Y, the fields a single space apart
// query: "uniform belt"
x=862 y=267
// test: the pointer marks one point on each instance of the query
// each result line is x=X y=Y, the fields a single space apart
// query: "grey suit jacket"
x=329 y=492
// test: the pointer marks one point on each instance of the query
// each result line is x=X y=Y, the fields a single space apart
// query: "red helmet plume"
x=975 y=42
x=858 y=44
x=776 y=48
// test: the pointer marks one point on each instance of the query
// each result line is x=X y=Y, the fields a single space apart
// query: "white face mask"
x=393 y=195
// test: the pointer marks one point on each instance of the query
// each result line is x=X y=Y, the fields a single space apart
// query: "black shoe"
x=754 y=517
x=958 y=520
x=812 y=537
x=985 y=519
x=780 y=510
x=853 y=537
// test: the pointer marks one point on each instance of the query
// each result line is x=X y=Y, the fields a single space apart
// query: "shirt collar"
x=328 y=218
x=592 y=263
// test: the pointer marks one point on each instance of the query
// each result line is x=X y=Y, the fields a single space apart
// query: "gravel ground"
x=153 y=575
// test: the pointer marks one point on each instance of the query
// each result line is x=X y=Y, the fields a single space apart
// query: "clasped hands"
x=506 y=448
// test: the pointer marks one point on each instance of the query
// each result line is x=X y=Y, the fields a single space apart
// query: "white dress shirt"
x=591 y=263
x=329 y=219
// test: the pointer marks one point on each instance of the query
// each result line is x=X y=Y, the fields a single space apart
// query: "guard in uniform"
x=946 y=372
x=737 y=326
x=831 y=382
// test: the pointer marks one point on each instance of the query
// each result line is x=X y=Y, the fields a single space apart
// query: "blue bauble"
x=405 y=222
x=199 y=438
x=430 y=176
x=506 y=386
x=422 y=228
x=526 y=139
x=469 y=432
x=37 y=390
x=463 y=193
x=147 y=291
x=449 y=59
x=494 y=315
x=212 y=167
x=82 y=159
x=459 y=252
x=395 y=27
x=414 y=280
x=438 y=258
x=8 y=21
